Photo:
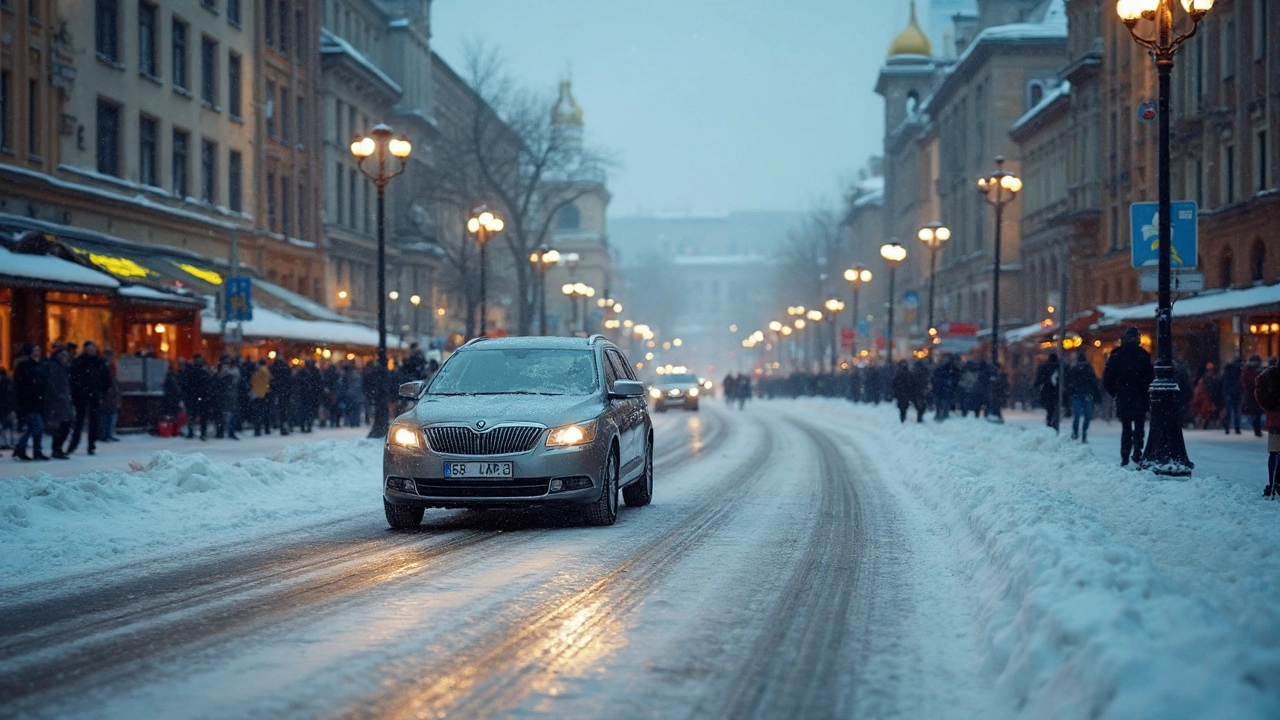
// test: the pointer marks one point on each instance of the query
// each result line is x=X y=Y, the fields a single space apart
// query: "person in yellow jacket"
x=259 y=386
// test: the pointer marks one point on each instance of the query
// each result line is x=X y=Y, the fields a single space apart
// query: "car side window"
x=610 y=373
x=624 y=367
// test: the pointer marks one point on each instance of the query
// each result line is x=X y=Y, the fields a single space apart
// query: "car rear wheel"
x=640 y=492
x=402 y=517
x=604 y=511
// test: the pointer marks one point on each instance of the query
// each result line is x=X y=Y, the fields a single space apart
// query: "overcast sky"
x=711 y=105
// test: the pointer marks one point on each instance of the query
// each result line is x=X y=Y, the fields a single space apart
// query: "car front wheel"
x=402 y=517
x=604 y=511
x=640 y=492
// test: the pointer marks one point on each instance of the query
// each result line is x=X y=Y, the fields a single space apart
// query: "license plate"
x=482 y=470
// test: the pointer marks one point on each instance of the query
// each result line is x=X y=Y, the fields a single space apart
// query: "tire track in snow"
x=569 y=629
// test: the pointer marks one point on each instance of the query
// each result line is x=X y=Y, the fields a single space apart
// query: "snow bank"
x=174 y=502
x=1104 y=592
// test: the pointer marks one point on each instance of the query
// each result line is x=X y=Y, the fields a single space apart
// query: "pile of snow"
x=177 y=501
x=1102 y=591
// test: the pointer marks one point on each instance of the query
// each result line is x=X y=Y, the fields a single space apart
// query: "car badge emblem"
x=480 y=424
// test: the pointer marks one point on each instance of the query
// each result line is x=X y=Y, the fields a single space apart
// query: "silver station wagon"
x=522 y=421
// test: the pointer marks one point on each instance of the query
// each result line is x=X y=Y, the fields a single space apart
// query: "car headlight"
x=693 y=392
x=571 y=435
x=404 y=436
x=655 y=393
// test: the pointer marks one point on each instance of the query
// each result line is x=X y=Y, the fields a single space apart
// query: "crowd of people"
x=74 y=393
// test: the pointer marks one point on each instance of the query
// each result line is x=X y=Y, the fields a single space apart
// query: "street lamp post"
x=893 y=253
x=834 y=307
x=999 y=188
x=577 y=291
x=482 y=224
x=933 y=235
x=542 y=259
x=415 y=300
x=857 y=277
x=1166 y=451
x=381 y=143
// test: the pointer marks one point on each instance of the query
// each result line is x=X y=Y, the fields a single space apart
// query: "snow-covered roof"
x=1063 y=88
x=331 y=44
x=52 y=269
x=873 y=197
x=276 y=325
x=1054 y=27
x=305 y=304
x=1208 y=303
x=142 y=292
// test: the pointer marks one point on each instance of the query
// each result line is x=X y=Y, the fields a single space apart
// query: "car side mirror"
x=626 y=389
x=411 y=390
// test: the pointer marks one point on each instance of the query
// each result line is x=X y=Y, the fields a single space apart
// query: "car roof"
x=536 y=342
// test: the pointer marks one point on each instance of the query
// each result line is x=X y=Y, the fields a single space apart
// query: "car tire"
x=402 y=517
x=640 y=492
x=604 y=511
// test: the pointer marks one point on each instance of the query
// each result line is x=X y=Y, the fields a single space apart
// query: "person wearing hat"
x=1126 y=378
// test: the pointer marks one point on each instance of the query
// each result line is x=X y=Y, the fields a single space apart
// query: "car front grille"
x=502 y=440
x=482 y=488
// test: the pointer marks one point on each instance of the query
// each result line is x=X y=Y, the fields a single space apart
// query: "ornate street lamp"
x=933 y=235
x=381 y=145
x=834 y=307
x=999 y=188
x=1166 y=451
x=578 y=291
x=542 y=259
x=857 y=277
x=482 y=224
x=893 y=253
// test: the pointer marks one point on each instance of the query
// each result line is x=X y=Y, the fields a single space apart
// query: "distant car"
x=515 y=422
x=680 y=390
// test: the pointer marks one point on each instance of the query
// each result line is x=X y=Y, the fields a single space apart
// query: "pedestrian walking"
x=228 y=381
x=1204 y=401
x=110 y=411
x=195 y=392
x=281 y=387
x=1267 y=395
x=310 y=393
x=1127 y=377
x=1232 y=394
x=946 y=379
x=902 y=388
x=260 y=392
x=8 y=404
x=999 y=394
x=920 y=388
x=1048 y=375
x=90 y=381
x=59 y=410
x=28 y=390
x=1248 y=383
x=1082 y=392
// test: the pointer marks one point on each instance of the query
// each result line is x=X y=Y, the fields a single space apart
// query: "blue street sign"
x=239 y=299
x=864 y=327
x=911 y=299
x=1144 y=220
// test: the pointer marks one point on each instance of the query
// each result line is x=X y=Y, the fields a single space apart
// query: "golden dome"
x=566 y=111
x=912 y=40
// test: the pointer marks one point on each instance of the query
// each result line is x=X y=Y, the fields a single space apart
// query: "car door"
x=632 y=407
x=622 y=413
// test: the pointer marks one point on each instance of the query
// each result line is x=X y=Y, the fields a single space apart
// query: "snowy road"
x=804 y=559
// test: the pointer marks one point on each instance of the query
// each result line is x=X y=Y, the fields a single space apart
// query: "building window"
x=302 y=120
x=302 y=212
x=269 y=26
x=33 y=117
x=5 y=100
x=1226 y=268
x=181 y=166
x=1228 y=48
x=271 y=202
x=234 y=89
x=284 y=114
x=271 y=108
x=235 y=178
x=179 y=40
x=570 y=218
x=351 y=197
x=106 y=24
x=285 y=206
x=300 y=35
x=147 y=14
x=1260 y=29
x=1258 y=261
x=209 y=71
x=210 y=4
x=1260 y=161
x=284 y=27
x=233 y=11
x=108 y=138
x=208 y=170
x=148 y=152
x=1229 y=179
x=340 y=218
x=1035 y=93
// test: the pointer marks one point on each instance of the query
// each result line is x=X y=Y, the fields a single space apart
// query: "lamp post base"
x=1166 y=451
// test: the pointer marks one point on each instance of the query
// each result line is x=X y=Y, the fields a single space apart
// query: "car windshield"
x=517 y=371
x=681 y=380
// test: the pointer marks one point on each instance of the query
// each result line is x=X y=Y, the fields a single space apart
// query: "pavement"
x=137 y=448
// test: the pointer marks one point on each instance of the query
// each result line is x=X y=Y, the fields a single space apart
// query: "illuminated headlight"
x=674 y=392
x=404 y=436
x=693 y=392
x=707 y=384
x=655 y=393
x=571 y=435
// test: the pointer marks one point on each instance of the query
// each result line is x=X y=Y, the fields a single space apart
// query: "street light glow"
x=394 y=294
x=363 y=147
x=400 y=147
x=415 y=299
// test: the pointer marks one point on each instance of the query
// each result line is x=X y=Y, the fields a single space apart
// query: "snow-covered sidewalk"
x=1101 y=591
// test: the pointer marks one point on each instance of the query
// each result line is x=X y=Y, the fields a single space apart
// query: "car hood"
x=549 y=410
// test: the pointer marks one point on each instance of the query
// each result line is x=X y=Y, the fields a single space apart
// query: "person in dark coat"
x=1267 y=394
x=110 y=410
x=999 y=384
x=90 y=382
x=59 y=410
x=946 y=378
x=920 y=388
x=227 y=380
x=171 y=402
x=903 y=389
x=415 y=366
x=281 y=389
x=310 y=394
x=28 y=390
x=1048 y=375
x=1232 y=394
x=1082 y=392
x=195 y=392
x=1126 y=378
x=1248 y=383
x=8 y=420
